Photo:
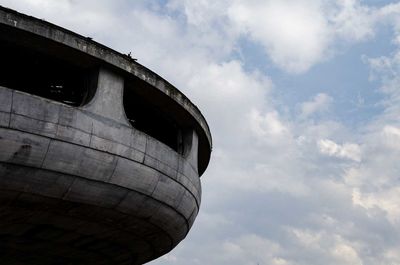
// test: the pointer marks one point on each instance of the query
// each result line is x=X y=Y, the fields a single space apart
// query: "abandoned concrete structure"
x=100 y=157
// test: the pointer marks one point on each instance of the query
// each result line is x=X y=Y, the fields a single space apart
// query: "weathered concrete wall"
x=61 y=36
x=91 y=158
x=80 y=185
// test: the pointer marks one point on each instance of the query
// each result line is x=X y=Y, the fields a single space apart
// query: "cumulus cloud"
x=347 y=150
x=268 y=125
x=334 y=247
x=386 y=201
x=320 y=103
x=375 y=183
x=354 y=21
x=255 y=248
x=295 y=34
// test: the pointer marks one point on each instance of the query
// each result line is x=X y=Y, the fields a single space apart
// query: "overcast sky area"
x=303 y=101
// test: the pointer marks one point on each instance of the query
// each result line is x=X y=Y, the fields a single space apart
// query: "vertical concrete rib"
x=107 y=101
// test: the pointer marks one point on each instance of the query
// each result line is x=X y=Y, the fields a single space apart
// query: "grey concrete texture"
x=140 y=197
x=80 y=185
x=123 y=62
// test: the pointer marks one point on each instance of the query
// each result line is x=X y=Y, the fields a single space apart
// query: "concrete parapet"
x=80 y=184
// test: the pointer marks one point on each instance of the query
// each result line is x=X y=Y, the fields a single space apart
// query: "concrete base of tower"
x=100 y=157
x=106 y=193
x=38 y=229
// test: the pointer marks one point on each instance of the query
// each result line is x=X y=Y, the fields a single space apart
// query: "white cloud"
x=391 y=137
x=332 y=248
x=386 y=200
x=251 y=249
x=295 y=34
x=268 y=125
x=353 y=21
x=347 y=150
x=320 y=103
x=345 y=254
x=306 y=238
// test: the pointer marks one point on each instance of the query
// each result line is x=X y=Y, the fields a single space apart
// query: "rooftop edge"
x=109 y=56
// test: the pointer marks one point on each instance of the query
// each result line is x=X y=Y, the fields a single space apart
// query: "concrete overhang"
x=83 y=51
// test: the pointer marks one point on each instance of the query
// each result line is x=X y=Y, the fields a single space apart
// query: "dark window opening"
x=146 y=115
x=45 y=76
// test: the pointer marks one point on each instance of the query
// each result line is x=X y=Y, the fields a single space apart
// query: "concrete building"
x=100 y=157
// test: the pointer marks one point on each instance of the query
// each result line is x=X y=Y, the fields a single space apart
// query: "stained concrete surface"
x=80 y=185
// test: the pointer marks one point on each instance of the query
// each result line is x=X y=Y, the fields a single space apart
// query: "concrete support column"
x=191 y=147
x=108 y=100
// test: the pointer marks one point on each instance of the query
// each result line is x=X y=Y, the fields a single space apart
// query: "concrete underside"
x=79 y=186
x=36 y=229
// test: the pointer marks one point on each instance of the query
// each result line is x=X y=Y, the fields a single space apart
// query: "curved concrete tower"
x=100 y=157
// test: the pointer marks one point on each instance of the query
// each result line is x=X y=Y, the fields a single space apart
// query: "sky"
x=303 y=101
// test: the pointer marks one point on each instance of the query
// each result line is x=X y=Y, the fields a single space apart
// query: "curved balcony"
x=100 y=158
